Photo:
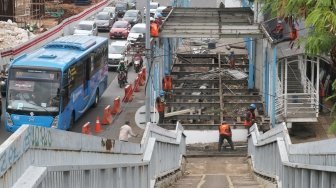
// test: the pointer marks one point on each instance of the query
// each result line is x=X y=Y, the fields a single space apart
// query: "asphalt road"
x=113 y=90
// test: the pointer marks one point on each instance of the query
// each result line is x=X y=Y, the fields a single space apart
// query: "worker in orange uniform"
x=250 y=117
x=225 y=133
x=160 y=106
x=154 y=28
x=293 y=35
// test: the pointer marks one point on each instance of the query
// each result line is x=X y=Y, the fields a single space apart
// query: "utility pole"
x=148 y=65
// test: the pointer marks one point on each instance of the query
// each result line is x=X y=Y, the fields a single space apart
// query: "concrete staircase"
x=196 y=86
x=219 y=172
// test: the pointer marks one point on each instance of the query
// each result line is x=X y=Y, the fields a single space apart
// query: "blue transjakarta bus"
x=54 y=85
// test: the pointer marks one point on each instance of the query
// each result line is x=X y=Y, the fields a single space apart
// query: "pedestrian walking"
x=126 y=132
x=225 y=133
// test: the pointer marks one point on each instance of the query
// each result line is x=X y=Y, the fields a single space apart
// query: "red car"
x=120 y=29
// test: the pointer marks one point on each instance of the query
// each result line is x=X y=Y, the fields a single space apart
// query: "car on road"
x=86 y=28
x=133 y=16
x=104 y=21
x=137 y=33
x=159 y=11
x=121 y=8
x=131 y=4
x=112 y=11
x=120 y=29
x=117 y=52
x=152 y=9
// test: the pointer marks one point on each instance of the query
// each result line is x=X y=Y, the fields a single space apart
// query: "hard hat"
x=151 y=19
x=122 y=61
x=253 y=106
x=162 y=93
x=279 y=21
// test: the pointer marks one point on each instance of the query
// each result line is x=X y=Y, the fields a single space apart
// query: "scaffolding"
x=23 y=12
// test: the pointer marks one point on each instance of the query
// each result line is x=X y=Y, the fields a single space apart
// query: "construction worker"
x=126 y=132
x=250 y=116
x=224 y=133
x=160 y=105
x=232 y=59
x=277 y=32
x=293 y=35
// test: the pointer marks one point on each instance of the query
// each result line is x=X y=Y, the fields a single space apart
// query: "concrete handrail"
x=309 y=164
x=68 y=157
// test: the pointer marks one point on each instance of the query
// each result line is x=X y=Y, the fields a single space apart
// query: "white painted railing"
x=310 y=165
x=43 y=157
x=299 y=105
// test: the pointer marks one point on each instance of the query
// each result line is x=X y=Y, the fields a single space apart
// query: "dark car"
x=133 y=17
x=104 y=21
x=120 y=29
x=121 y=8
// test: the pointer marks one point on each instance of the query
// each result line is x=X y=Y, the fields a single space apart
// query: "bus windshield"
x=34 y=90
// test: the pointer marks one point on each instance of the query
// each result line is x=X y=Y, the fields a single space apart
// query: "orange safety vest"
x=248 y=123
x=167 y=83
x=154 y=29
x=224 y=129
x=322 y=92
x=160 y=106
x=293 y=34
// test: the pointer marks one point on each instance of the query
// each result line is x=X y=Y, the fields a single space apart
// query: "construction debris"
x=11 y=35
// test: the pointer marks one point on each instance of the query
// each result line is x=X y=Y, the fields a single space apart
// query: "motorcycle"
x=138 y=61
x=122 y=80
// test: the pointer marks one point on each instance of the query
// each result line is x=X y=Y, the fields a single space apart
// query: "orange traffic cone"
x=107 y=119
x=98 y=126
x=86 y=128
x=136 y=85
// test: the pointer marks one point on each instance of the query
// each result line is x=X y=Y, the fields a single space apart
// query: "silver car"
x=86 y=28
x=104 y=21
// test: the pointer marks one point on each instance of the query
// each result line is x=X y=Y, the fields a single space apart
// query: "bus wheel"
x=72 y=122
x=96 y=99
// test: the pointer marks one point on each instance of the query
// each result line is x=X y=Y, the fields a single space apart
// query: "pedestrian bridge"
x=43 y=157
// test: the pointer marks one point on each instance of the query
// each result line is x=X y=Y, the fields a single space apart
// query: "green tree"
x=320 y=19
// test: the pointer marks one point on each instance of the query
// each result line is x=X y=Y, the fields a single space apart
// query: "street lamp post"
x=148 y=66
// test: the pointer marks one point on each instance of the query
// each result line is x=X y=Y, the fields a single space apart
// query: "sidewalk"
x=128 y=109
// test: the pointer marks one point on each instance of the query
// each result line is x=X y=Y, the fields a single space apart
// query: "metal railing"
x=43 y=157
x=302 y=104
x=279 y=100
x=309 y=164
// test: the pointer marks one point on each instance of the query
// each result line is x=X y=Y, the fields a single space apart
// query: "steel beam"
x=194 y=117
x=193 y=104
x=180 y=73
x=195 y=81
x=195 y=65
x=198 y=126
x=207 y=34
x=194 y=97
x=190 y=90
